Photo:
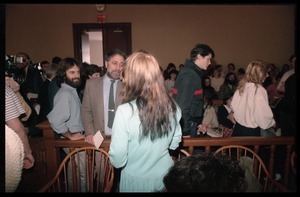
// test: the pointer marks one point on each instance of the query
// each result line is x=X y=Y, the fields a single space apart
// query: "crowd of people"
x=146 y=110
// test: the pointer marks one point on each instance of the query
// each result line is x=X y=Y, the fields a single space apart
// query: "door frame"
x=79 y=28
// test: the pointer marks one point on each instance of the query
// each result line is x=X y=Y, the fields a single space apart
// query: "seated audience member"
x=229 y=86
x=205 y=173
x=208 y=91
x=166 y=73
x=216 y=79
x=240 y=74
x=181 y=66
x=169 y=83
x=210 y=119
x=230 y=68
x=225 y=116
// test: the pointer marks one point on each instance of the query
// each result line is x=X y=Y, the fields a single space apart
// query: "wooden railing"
x=51 y=148
x=51 y=144
x=255 y=143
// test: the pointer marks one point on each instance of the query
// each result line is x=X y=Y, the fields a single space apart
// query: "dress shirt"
x=106 y=89
x=65 y=115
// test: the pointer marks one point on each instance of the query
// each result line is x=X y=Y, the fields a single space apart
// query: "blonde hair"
x=144 y=82
x=256 y=73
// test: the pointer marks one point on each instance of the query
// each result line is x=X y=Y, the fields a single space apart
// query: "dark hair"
x=226 y=80
x=204 y=78
x=114 y=52
x=91 y=69
x=171 y=65
x=56 y=60
x=44 y=62
x=241 y=71
x=268 y=81
x=205 y=172
x=231 y=64
x=64 y=65
x=209 y=101
x=201 y=49
x=173 y=71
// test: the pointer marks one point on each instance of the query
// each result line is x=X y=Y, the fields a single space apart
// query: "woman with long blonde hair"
x=145 y=127
x=250 y=102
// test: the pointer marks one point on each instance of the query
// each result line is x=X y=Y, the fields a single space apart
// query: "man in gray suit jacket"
x=94 y=108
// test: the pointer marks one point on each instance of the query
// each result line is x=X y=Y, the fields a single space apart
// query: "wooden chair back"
x=181 y=154
x=87 y=163
x=236 y=152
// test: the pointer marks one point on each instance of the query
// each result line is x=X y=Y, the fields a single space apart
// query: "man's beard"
x=113 y=76
x=72 y=83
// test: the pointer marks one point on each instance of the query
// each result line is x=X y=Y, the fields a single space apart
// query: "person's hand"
x=12 y=83
x=202 y=128
x=89 y=139
x=73 y=136
x=77 y=136
x=28 y=161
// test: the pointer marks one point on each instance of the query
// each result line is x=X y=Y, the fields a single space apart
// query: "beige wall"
x=237 y=33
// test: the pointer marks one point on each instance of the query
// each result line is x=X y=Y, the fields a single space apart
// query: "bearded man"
x=65 y=116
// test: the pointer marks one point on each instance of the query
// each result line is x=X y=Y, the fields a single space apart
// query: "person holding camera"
x=29 y=88
x=33 y=78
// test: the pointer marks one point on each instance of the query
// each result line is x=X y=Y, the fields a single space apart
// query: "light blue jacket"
x=144 y=163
